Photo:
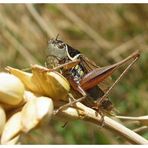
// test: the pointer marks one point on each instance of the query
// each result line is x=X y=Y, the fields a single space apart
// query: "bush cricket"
x=84 y=75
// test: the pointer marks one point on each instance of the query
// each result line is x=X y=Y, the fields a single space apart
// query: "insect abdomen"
x=77 y=72
x=95 y=93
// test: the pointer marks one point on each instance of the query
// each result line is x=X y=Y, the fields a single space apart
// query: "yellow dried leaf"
x=25 y=77
x=52 y=84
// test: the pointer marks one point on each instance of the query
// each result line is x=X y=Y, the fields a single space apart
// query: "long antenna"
x=57 y=36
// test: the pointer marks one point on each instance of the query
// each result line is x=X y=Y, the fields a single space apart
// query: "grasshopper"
x=84 y=76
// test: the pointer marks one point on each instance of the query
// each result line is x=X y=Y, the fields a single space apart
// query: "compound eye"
x=61 y=45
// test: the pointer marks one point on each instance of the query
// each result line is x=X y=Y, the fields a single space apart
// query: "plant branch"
x=88 y=114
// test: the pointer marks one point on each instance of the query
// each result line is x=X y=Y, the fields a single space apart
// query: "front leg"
x=40 y=68
x=66 y=66
x=71 y=103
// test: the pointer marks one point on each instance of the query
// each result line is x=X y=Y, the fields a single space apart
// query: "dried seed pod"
x=25 y=77
x=52 y=84
x=13 y=141
x=12 y=129
x=28 y=95
x=34 y=111
x=11 y=89
x=45 y=83
x=2 y=119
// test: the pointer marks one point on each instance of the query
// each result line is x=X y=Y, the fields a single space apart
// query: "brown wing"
x=90 y=65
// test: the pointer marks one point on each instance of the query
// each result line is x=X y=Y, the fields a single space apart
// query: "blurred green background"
x=105 y=33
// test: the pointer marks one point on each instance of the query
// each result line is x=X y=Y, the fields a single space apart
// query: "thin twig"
x=141 y=129
x=88 y=114
x=141 y=119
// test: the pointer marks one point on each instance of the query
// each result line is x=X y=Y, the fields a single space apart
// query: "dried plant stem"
x=88 y=114
x=85 y=27
x=18 y=46
x=141 y=119
x=47 y=28
x=141 y=129
x=124 y=47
